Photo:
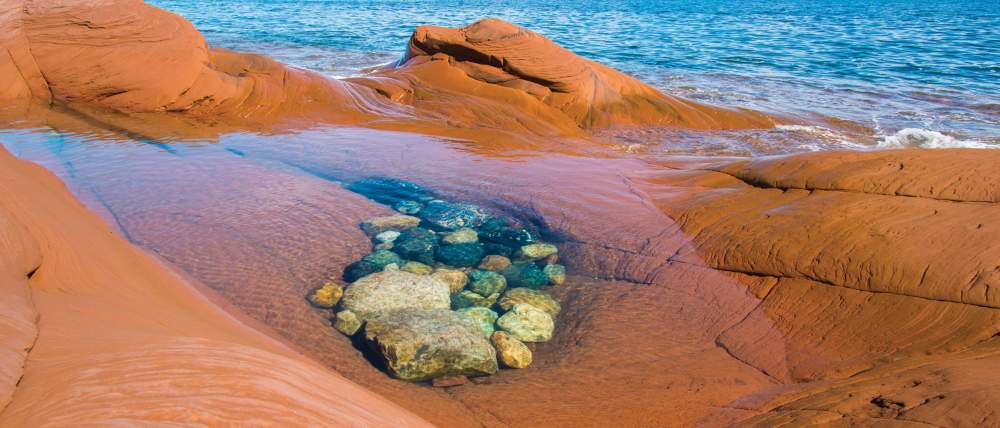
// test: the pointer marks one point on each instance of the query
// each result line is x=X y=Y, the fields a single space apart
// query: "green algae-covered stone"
x=536 y=298
x=486 y=283
x=484 y=316
x=497 y=249
x=525 y=274
x=416 y=244
x=556 y=273
x=382 y=258
x=421 y=344
x=460 y=255
x=469 y=299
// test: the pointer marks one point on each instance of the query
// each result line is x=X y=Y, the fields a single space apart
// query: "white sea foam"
x=825 y=134
x=916 y=138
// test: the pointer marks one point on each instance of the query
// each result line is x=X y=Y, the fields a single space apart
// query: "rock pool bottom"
x=260 y=219
x=448 y=290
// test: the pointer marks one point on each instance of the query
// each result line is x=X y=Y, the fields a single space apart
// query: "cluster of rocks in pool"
x=448 y=291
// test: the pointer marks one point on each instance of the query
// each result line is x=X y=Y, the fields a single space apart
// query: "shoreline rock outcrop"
x=129 y=57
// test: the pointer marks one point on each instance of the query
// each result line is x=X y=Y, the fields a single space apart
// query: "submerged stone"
x=497 y=249
x=536 y=298
x=391 y=290
x=417 y=268
x=358 y=270
x=382 y=258
x=387 y=236
x=416 y=244
x=525 y=274
x=556 y=273
x=456 y=279
x=484 y=316
x=494 y=263
x=486 y=283
x=527 y=323
x=461 y=236
x=536 y=251
x=347 y=322
x=451 y=216
x=326 y=296
x=390 y=191
x=407 y=207
x=509 y=236
x=460 y=255
x=377 y=225
x=512 y=352
x=469 y=299
x=420 y=344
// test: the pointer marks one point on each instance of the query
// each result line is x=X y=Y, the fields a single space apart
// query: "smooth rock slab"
x=421 y=344
x=527 y=323
x=393 y=290
x=512 y=352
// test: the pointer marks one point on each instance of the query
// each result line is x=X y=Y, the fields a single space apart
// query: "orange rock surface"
x=827 y=288
x=95 y=332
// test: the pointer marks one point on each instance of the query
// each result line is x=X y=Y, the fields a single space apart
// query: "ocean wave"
x=915 y=138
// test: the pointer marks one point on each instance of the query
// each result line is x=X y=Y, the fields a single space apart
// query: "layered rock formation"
x=870 y=266
x=502 y=62
x=126 y=56
x=851 y=288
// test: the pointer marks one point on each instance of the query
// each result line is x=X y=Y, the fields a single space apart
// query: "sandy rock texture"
x=66 y=359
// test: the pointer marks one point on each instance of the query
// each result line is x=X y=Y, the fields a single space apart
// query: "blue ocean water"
x=891 y=65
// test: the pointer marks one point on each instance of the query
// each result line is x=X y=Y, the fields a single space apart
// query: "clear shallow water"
x=890 y=65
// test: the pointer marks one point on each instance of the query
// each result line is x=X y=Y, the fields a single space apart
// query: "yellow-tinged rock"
x=326 y=296
x=512 y=352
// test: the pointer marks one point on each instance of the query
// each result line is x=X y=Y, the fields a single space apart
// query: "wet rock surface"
x=421 y=344
x=433 y=280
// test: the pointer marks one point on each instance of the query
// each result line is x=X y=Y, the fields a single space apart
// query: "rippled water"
x=889 y=65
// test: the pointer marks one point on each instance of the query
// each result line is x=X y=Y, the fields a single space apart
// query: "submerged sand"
x=833 y=288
